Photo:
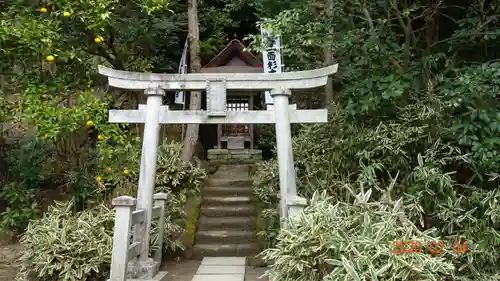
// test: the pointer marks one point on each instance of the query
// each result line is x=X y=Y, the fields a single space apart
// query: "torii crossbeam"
x=234 y=81
x=202 y=117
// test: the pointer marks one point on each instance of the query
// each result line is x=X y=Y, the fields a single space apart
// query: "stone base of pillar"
x=143 y=270
x=234 y=156
x=160 y=276
x=295 y=206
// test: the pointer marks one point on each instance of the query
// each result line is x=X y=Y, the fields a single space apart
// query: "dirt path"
x=9 y=253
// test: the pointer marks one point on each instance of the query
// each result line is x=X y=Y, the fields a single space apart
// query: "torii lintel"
x=239 y=81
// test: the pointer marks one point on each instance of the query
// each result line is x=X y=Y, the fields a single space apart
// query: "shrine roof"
x=234 y=58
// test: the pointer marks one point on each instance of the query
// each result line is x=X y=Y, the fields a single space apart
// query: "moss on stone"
x=192 y=213
x=261 y=225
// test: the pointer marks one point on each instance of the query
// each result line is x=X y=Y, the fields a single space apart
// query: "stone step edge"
x=215 y=234
x=247 y=248
x=225 y=210
x=227 y=200
x=226 y=223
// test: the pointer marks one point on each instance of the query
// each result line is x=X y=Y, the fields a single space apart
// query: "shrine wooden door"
x=245 y=131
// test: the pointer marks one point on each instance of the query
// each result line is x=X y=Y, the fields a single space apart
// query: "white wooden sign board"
x=179 y=95
x=271 y=56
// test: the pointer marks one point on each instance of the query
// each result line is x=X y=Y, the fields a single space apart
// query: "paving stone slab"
x=221 y=269
x=224 y=261
x=216 y=277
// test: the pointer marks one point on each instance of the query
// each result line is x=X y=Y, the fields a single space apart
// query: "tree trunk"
x=194 y=66
x=328 y=58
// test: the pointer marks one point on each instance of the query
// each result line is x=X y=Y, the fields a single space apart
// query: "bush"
x=175 y=177
x=339 y=241
x=68 y=246
x=27 y=170
x=266 y=189
x=119 y=170
x=22 y=207
x=415 y=157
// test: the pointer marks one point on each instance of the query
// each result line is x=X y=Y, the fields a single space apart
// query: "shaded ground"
x=9 y=253
x=181 y=270
x=253 y=274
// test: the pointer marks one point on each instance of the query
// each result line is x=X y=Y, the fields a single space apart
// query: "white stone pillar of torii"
x=216 y=84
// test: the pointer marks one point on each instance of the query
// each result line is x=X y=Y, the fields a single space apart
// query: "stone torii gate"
x=216 y=84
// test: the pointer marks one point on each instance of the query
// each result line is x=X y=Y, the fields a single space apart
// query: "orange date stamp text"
x=433 y=247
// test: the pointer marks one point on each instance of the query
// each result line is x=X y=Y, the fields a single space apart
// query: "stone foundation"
x=234 y=156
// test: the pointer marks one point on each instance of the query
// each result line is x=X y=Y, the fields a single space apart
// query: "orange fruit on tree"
x=89 y=124
x=50 y=58
x=98 y=39
x=100 y=137
x=66 y=14
x=43 y=10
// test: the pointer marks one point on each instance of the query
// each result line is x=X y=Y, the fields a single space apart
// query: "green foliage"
x=62 y=227
x=64 y=245
x=415 y=117
x=26 y=175
x=343 y=241
x=120 y=169
x=402 y=159
x=21 y=207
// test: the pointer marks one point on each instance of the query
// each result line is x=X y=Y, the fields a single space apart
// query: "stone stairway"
x=227 y=222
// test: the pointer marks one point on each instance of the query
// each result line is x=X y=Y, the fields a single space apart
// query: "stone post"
x=147 y=176
x=121 y=237
x=284 y=144
x=159 y=201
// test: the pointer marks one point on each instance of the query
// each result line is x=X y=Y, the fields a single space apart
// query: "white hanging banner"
x=179 y=96
x=272 y=56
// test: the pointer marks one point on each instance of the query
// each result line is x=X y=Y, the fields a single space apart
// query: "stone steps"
x=224 y=181
x=228 y=250
x=226 y=200
x=227 y=222
x=225 y=236
x=228 y=191
x=224 y=211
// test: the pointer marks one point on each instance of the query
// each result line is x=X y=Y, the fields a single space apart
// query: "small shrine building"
x=233 y=141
